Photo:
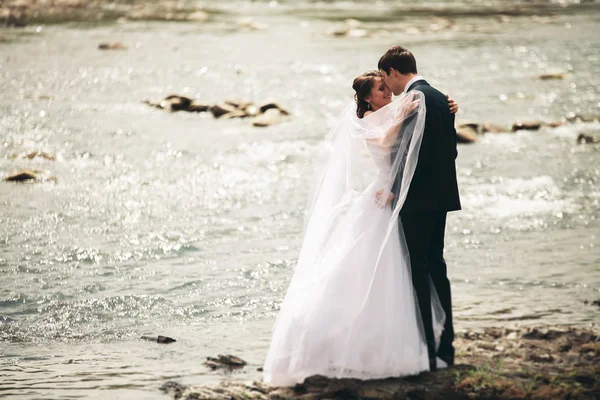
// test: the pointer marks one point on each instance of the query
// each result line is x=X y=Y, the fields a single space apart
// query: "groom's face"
x=392 y=81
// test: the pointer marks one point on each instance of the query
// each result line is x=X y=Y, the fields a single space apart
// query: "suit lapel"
x=417 y=83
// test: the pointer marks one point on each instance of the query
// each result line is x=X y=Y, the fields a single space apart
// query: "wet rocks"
x=224 y=361
x=270 y=105
x=527 y=126
x=112 y=46
x=251 y=24
x=551 y=76
x=349 y=28
x=496 y=363
x=262 y=115
x=14 y=16
x=587 y=139
x=159 y=339
x=268 y=118
x=218 y=110
x=198 y=16
x=39 y=154
x=23 y=176
x=466 y=134
x=577 y=117
x=492 y=128
x=173 y=389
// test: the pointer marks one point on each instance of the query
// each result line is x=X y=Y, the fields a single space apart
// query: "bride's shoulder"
x=367 y=113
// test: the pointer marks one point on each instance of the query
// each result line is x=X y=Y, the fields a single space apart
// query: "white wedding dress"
x=350 y=309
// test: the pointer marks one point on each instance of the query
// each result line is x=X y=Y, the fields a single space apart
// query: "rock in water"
x=221 y=109
x=160 y=339
x=22 y=176
x=239 y=103
x=234 y=114
x=272 y=104
x=196 y=106
x=476 y=126
x=357 y=33
x=586 y=139
x=527 y=126
x=198 y=16
x=112 y=46
x=174 y=102
x=466 y=134
x=491 y=128
x=270 y=117
x=224 y=361
x=165 y=340
x=551 y=76
x=42 y=154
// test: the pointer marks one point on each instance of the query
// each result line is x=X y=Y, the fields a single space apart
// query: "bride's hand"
x=452 y=104
x=378 y=196
x=405 y=112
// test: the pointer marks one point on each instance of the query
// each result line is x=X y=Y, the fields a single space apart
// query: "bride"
x=350 y=309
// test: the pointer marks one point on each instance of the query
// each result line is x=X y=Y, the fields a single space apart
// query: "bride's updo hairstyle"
x=362 y=85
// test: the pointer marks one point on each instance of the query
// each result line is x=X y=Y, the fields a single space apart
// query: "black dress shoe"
x=432 y=364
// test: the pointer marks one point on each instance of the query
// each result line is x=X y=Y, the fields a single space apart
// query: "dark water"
x=181 y=225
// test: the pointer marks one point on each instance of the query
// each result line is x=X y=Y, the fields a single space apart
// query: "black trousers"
x=424 y=232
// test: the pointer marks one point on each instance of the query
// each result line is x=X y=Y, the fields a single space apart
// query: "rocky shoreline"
x=496 y=363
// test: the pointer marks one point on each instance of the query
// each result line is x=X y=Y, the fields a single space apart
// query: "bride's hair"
x=362 y=85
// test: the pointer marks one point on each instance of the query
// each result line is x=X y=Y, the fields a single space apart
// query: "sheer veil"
x=360 y=158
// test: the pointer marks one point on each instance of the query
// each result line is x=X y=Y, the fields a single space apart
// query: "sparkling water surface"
x=182 y=225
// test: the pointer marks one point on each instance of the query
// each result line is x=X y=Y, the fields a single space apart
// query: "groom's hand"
x=452 y=104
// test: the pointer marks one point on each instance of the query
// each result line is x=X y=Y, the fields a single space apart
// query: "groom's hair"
x=399 y=58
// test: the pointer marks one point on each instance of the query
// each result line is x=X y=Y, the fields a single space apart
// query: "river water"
x=182 y=225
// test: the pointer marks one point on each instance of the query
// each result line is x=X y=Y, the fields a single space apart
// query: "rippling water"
x=181 y=225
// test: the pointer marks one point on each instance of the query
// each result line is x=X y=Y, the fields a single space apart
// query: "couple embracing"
x=370 y=296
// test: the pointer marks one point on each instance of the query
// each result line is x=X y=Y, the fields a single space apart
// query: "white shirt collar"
x=413 y=80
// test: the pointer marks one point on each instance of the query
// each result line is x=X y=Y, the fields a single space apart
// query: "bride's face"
x=380 y=95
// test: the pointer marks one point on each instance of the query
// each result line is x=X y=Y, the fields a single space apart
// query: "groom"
x=432 y=194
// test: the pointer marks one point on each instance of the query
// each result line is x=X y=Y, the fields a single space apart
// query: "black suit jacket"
x=434 y=186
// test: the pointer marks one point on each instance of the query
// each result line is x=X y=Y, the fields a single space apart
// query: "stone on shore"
x=497 y=363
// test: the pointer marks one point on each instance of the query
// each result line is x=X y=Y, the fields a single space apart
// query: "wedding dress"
x=350 y=310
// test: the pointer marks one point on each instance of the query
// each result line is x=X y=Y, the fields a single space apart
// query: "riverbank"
x=529 y=363
x=25 y=12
